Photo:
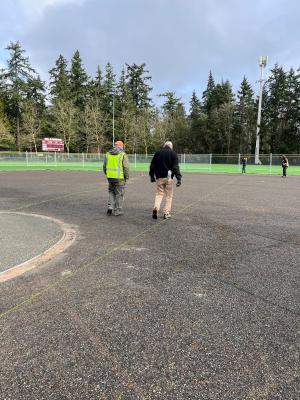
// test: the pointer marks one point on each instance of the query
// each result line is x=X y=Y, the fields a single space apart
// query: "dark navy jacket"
x=163 y=161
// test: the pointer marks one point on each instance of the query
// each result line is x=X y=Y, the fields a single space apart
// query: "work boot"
x=109 y=211
x=154 y=213
x=167 y=215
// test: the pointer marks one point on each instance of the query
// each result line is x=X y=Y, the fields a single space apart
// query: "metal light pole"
x=262 y=63
x=113 y=121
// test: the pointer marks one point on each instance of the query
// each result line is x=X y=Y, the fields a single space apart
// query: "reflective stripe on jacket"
x=114 y=165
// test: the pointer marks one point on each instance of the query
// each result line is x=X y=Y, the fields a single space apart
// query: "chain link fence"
x=223 y=163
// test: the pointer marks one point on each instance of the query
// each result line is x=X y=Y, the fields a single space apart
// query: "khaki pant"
x=164 y=187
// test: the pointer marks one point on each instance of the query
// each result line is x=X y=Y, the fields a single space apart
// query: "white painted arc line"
x=67 y=239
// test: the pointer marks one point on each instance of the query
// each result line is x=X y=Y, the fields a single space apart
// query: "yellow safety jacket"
x=114 y=165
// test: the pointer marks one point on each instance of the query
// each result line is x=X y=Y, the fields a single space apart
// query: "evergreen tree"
x=78 y=81
x=195 y=106
x=225 y=124
x=109 y=87
x=171 y=104
x=222 y=94
x=176 y=121
x=197 y=126
x=291 y=133
x=60 y=80
x=137 y=78
x=96 y=87
x=15 y=81
x=245 y=119
x=124 y=108
x=36 y=90
x=207 y=99
x=276 y=108
x=264 y=131
x=33 y=112
x=6 y=138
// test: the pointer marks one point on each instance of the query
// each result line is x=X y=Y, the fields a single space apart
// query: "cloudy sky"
x=179 y=40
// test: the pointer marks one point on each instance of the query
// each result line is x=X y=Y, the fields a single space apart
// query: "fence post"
x=239 y=161
x=82 y=160
x=184 y=160
x=134 y=160
x=210 y=160
x=26 y=158
x=271 y=159
x=55 y=159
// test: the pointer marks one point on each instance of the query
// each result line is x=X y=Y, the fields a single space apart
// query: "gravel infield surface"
x=205 y=305
x=23 y=237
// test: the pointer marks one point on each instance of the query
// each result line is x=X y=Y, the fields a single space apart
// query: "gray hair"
x=169 y=144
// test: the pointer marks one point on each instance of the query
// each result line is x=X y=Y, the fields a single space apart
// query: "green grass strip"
x=144 y=167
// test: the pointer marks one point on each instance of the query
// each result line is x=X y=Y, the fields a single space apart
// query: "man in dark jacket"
x=284 y=164
x=164 y=166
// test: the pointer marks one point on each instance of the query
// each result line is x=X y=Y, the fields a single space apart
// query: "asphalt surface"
x=203 y=306
x=23 y=237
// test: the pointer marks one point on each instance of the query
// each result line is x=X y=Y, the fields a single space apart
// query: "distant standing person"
x=116 y=169
x=164 y=166
x=285 y=165
x=244 y=165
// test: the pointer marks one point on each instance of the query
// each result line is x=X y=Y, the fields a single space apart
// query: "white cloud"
x=33 y=9
x=180 y=41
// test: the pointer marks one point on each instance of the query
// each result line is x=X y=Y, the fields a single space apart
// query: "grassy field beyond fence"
x=229 y=164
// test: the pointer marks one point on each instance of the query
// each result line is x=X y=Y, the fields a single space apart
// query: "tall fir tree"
x=175 y=121
x=78 y=81
x=197 y=126
x=138 y=83
x=291 y=134
x=124 y=108
x=60 y=80
x=34 y=110
x=245 y=119
x=207 y=98
x=276 y=107
x=222 y=94
x=6 y=138
x=96 y=87
x=109 y=87
x=15 y=81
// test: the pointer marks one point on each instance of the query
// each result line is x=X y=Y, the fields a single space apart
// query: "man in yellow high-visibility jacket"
x=116 y=169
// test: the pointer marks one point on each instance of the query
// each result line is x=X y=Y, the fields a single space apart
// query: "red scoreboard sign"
x=53 y=144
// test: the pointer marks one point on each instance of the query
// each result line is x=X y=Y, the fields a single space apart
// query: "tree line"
x=81 y=109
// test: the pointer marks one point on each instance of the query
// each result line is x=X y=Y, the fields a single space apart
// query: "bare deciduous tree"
x=65 y=114
x=31 y=125
x=95 y=124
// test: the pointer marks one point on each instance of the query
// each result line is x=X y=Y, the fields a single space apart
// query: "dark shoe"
x=109 y=212
x=154 y=214
x=118 y=213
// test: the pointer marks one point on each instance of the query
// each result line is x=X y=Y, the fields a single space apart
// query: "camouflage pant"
x=116 y=191
x=164 y=187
